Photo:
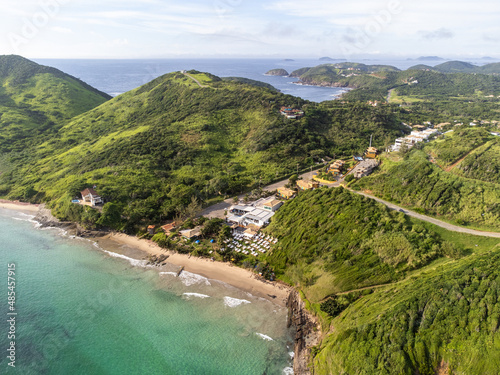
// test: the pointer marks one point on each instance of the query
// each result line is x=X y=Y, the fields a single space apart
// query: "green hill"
x=36 y=100
x=417 y=183
x=456 y=67
x=153 y=149
x=252 y=82
x=432 y=300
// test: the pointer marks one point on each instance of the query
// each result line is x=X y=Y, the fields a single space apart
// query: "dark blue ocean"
x=118 y=76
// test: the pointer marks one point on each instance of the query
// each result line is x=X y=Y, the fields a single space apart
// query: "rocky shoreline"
x=307 y=334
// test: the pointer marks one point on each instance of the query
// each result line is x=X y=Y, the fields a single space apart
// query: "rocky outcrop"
x=157 y=260
x=277 y=72
x=306 y=333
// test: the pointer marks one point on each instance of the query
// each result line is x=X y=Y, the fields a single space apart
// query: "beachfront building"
x=307 y=184
x=252 y=215
x=286 y=193
x=169 y=228
x=191 y=234
x=151 y=229
x=89 y=195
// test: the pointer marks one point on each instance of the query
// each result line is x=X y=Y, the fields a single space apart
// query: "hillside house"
x=364 y=168
x=371 y=153
x=271 y=204
x=307 y=184
x=414 y=138
x=337 y=167
x=291 y=113
x=286 y=193
x=89 y=195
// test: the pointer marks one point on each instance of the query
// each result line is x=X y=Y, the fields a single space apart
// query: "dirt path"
x=194 y=79
x=447 y=169
x=389 y=94
x=218 y=209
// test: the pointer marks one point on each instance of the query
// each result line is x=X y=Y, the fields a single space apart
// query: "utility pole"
x=297 y=169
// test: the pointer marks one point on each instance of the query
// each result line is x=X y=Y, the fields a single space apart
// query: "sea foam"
x=233 y=302
x=134 y=262
x=197 y=295
x=265 y=337
x=288 y=371
x=189 y=279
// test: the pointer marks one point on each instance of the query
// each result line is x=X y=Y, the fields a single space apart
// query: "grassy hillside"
x=332 y=240
x=343 y=74
x=468 y=152
x=444 y=321
x=36 y=100
x=151 y=150
x=417 y=183
x=437 y=301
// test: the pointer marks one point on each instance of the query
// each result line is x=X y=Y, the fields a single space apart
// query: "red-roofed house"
x=169 y=228
x=89 y=195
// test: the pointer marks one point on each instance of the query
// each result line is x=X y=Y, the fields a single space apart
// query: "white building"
x=412 y=139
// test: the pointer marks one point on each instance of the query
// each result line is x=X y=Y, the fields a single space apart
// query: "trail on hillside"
x=194 y=79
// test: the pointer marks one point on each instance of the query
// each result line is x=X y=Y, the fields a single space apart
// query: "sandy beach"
x=225 y=272
x=19 y=206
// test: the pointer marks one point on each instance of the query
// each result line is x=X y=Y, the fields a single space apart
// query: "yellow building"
x=286 y=193
x=307 y=184
x=371 y=153
x=337 y=167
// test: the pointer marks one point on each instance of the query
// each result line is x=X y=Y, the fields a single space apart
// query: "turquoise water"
x=82 y=311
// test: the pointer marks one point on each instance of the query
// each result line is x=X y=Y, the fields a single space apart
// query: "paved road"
x=442 y=224
x=218 y=209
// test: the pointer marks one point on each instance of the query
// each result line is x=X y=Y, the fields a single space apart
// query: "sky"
x=249 y=28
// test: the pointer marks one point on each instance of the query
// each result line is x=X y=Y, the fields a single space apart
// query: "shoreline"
x=19 y=206
x=225 y=272
x=279 y=293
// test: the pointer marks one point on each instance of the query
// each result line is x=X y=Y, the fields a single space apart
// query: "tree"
x=211 y=227
x=349 y=178
x=293 y=180
x=110 y=216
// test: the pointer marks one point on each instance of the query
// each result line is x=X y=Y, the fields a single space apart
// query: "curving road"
x=218 y=209
x=442 y=224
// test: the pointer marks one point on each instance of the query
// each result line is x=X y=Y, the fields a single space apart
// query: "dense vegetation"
x=445 y=320
x=332 y=240
x=418 y=94
x=36 y=100
x=461 y=67
x=438 y=305
x=469 y=152
x=417 y=183
x=151 y=150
